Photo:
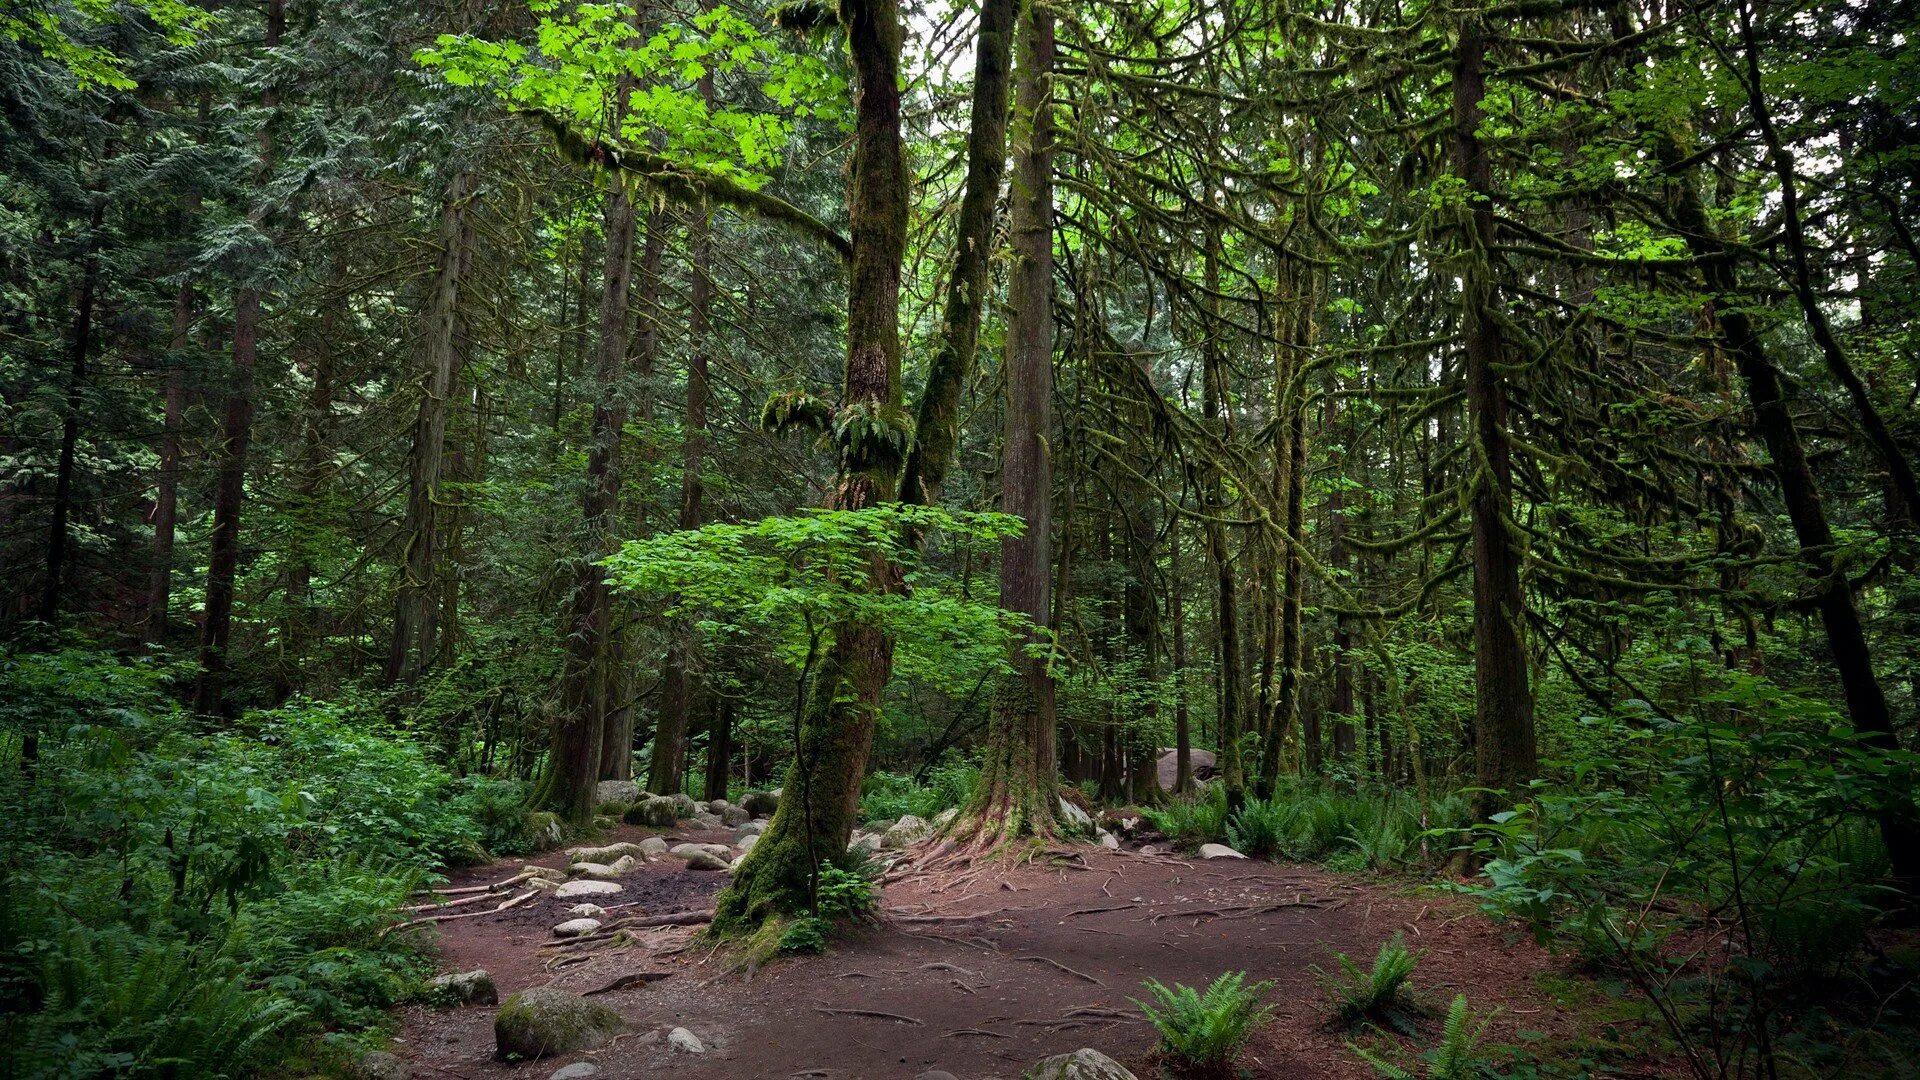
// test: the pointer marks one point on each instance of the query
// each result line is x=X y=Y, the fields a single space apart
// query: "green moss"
x=542 y=1021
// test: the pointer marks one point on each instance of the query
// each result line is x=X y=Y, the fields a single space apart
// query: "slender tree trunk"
x=166 y=500
x=670 y=733
x=1346 y=741
x=236 y=432
x=575 y=766
x=416 y=598
x=80 y=344
x=719 y=746
x=842 y=699
x=937 y=428
x=1214 y=504
x=1505 y=755
x=1177 y=611
x=1017 y=772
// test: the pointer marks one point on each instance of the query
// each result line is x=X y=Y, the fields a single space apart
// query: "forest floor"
x=982 y=974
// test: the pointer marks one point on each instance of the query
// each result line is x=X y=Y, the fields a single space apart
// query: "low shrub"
x=1378 y=994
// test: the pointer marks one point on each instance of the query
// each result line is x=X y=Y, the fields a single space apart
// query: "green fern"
x=1202 y=1032
x=1456 y=1058
x=1379 y=993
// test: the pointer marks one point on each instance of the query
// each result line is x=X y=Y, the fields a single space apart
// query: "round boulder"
x=1082 y=1064
x=543 y=1021
x=657 y=811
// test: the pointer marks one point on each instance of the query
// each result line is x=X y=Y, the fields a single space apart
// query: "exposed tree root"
x=1057 y=964
x=874 y=1013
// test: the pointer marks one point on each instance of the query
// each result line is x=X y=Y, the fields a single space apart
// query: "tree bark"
x=80 y=344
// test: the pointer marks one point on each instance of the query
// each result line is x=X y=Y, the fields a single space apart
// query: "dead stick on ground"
x=874 y=1013
x=495 y=887
x=1063 y=967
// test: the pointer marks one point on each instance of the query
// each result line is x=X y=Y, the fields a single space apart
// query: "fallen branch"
x=495 y=887
x=508 y=906
x=1096 y=910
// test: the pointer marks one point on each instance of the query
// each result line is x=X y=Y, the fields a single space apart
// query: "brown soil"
x=984 y=973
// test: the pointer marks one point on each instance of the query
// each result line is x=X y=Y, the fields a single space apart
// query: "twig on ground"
x=430 y=919
x=1096 y=910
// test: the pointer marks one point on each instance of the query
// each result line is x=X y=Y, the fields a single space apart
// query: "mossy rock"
x=544 y=830
x=543 y=1021
x=657 y=812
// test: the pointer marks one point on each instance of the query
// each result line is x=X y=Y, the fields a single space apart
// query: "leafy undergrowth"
x=182 y=900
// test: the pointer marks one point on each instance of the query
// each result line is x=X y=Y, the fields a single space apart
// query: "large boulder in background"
x=543 y=1021
x=906 y=832
x=1082 y=1064
x=760 y=803
x=617 y=793
x=1201 y=762
x=463 y=988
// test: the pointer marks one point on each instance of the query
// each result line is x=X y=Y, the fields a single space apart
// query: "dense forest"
x=1458 y=455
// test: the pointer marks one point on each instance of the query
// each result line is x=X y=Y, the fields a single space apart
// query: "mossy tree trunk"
x=822 y=790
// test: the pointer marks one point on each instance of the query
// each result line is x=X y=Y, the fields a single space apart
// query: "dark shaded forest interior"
x=1056 y=538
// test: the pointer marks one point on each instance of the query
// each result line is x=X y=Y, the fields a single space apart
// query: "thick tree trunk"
x=415 y=622
x=821 y=797
x=1505 y=755
x=1017 y=773
x=575 y=765
x=719 y=746
x=236 y=432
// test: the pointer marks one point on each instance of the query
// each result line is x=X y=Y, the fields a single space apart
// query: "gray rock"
x=717 y=806
x=544 y=1020
x=746 y=842
x=686 y=1042
x=879 y=826
x=945 y=817
x=620 y=867
x=544 y=873
x=687 y=851
x=653 y=847
x=579 y=1070
x=906 y=832
x=620 y=792
x=576 y=927
x=466 y=987
x=867 y=840
x=586 y=911
x=707 y=860
x=573 y=889
x=734 y=815
x=1107 y=840
x=1082 y=1064
x=936 y=1074
x=684 y=804
x=704 y=820
x=657 y=811
x=380 y=1065
x=751 y=828
x=1074 y=816
x=760 y=803
x=1219 y=851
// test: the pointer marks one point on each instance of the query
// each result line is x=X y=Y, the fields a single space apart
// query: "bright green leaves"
x=58 y=31
x=593 y=67
x=794 y=578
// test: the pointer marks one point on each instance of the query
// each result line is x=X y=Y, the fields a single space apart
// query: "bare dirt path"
x=981 y=975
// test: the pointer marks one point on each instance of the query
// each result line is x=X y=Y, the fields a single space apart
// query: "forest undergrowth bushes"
x=1726 y=863
x=181 y=899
